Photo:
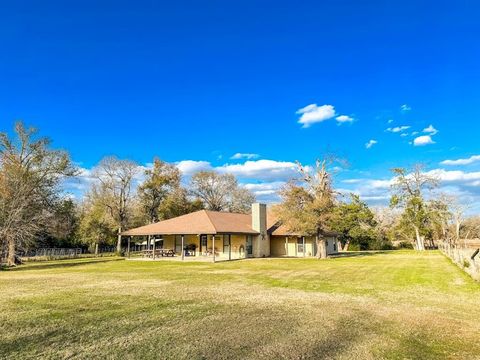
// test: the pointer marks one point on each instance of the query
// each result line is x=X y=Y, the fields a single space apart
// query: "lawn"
x=394 y=305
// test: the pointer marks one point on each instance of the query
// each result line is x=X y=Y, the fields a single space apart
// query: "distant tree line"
x=36 y=212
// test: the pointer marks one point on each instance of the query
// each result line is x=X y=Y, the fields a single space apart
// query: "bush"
x=404 y=245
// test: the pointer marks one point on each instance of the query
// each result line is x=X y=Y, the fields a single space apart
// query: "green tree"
x=308 y=205
x=162 y=181
x=96 y=226
x=409 y=194
x=355 y=223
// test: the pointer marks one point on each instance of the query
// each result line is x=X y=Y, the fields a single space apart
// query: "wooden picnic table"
x=159 y=252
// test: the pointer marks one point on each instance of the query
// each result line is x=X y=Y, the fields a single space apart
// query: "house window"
x=249 y=245
x=300 y=247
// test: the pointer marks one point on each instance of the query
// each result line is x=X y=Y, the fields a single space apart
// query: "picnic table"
x=159 y=252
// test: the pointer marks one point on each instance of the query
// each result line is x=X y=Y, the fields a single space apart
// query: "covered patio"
x=200 y=235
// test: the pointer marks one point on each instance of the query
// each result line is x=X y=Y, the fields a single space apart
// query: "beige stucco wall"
x=287 y=246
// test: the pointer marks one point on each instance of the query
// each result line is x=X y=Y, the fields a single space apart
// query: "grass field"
x=395 y=305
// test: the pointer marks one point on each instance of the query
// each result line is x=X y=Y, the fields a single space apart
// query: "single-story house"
x=227 y=236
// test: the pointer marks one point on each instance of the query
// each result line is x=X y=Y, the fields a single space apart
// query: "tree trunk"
x=119 y=241
x=11 y=252
x=321 y=248
x=419 y=245
x=345 y=247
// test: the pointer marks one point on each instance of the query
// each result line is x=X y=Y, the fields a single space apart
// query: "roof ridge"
x=209 y=219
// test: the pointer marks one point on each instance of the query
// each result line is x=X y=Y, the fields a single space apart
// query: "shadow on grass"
x=350 y=254
x=59 y=264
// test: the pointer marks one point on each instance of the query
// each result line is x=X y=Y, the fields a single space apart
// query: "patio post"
x=183 y=249
x=230 y=247
x=286 y=245
x=213 y=247
x=154 y=243
x=303 y=240
x=128 y=246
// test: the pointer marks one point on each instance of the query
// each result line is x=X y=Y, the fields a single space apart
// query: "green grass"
x=394 y=305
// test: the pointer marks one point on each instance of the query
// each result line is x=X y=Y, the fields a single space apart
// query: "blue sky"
x=195 y=82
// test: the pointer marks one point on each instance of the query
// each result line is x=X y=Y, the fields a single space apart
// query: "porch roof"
x=199 y=222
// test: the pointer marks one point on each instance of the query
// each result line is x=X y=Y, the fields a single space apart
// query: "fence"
x=466 y=257
x=64 y=253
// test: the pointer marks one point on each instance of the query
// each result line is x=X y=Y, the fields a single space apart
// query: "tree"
x=114 y=190
x=62 y=223
x=408 y=194
x=30 y=175
x=160 y=182
x=355 y=223
x=96 y=225
x=307 y=205
x=221 y=192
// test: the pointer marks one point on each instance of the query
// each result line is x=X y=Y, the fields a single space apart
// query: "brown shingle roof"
x=199 y=222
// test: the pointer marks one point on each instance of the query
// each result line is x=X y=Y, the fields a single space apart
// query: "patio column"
x=286 y=245
x=229 y=247
x=183 y=250
x=303 y=240
x=128 y=246
x=213 y=247
x=153 y=253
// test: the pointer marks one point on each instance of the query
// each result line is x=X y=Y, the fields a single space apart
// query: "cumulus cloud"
x=344 y=119
x=467 y=161
x=369 y=144
x=189 y=167
x=248 y=156
x=430 y=130
x=313 y=113
x=405 y=108
x=262 y=169
x=398 y=129
x=266 y=191
x=423 y=140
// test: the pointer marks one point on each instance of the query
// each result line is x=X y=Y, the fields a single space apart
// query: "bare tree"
x=114 y=190
x=220 y=192
x=30 y=175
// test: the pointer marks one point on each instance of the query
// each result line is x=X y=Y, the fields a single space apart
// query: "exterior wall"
x=332 y=245
x=288 y=246
x=261 y=246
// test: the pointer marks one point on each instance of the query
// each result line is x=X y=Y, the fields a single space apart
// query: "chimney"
x=259 y=218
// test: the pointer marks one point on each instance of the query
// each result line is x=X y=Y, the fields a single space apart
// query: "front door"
x=249 y=246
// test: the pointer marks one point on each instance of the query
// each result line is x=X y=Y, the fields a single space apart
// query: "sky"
x=250 y=87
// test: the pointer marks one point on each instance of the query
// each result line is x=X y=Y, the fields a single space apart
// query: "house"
x=228 y=236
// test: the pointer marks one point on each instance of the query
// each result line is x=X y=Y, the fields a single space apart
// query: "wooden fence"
x=466 y=256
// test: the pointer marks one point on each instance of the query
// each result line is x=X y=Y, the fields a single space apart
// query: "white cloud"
x=463 y=185
x=405 y=108
x=390 y=121
x=248 y=156
x=467 y=161
x=430 y=130
x=369 y=144
x=189 y=167
x=344 y=119
x=398 y=129
x=423 y=140
x=313 y=113
x=262 y=170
